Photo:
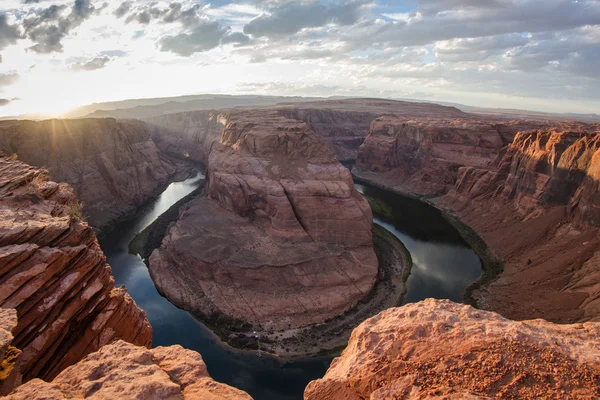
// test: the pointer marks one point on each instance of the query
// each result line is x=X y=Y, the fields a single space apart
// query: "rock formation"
x=123 y=371
x=537 y=206
x=53 y=272
x=422 y=155
x=113 y=166
x=282 y=238
x=442 y=350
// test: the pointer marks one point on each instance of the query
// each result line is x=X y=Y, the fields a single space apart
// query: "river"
x=443 y=267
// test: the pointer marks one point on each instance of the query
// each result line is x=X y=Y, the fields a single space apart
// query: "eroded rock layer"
x=123 y=371
x=535 y=202
x=439 y=349
x=113 y=166
x=10 y=356
x=537 y=206
x=423 y=155
x=282 y=238
x=53 y=272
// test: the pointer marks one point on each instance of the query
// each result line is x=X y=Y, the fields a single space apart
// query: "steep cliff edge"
x=123 y=371
x=437 y=349
x=282 y=240
x=53 y=272
x=113 y=166
x=537 y=206
x=422 y=156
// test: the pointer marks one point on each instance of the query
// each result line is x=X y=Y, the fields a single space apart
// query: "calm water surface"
x=443 y=267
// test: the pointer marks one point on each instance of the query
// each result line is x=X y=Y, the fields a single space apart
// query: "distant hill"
x=146 y=108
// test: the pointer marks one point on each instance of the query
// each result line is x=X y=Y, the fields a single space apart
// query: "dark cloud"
x=174 y=12
x=290 y=17
x=204 y=36
x=9 y=34
x=123 y=9
x=48 y=27
x=237 y=38
x=5 y=102
x=91 y=65
x=8 y=79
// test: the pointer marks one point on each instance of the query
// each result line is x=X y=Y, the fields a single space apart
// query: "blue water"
x=443 y=267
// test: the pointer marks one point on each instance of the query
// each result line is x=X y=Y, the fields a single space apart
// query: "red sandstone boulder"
x=123 y=371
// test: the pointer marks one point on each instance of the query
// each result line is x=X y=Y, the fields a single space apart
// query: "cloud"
x=237 y=38
x=91 y=65
x=48 y=27
x=8 y=79
x=290 y=17
x=206 y=35
x=5 y=102
x=9 y=34
x=123 y=9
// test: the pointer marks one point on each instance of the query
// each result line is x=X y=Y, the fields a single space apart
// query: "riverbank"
x=326 y=338
x=491 y=264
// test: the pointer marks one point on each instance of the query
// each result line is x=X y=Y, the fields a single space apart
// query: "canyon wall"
x=53 y=272
x=534 y=202
x=437 y=349
x=281 y=239
x=188 y=134
x=113 y=166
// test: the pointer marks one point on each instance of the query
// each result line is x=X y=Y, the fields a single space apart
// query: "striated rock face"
x=423 y=156
x=189 y=134
x=123 y=371
x=439 y=349
x=113 y=166
x=53 y=272
x=282 y=239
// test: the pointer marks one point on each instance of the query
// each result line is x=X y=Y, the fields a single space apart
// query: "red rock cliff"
x=53 y=272
x=113 y=166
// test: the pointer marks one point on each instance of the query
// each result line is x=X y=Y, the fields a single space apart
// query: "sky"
x=528 y=54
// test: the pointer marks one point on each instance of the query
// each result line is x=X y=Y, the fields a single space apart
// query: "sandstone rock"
x=113 y=166
x=123 y=371
x=283 y=239
x=423 y=155
x=53 y=272
x=10 y=362
x=439 y=349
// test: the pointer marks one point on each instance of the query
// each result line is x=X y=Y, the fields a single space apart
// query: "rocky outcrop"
x=113 y=166
x=53 y=272
x=10 y=362
x=123 y=371
x=439 y=349
x=281 y=240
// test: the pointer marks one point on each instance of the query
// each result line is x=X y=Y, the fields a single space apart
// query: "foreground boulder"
x=53 y=272
x=440 y=349
x=123 y=371
x=113 y=166
x=282 y=238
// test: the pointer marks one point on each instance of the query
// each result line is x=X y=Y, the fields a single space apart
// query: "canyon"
x=279 y=242
x=533 y=202
x=65 y=329
x=114 y=166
